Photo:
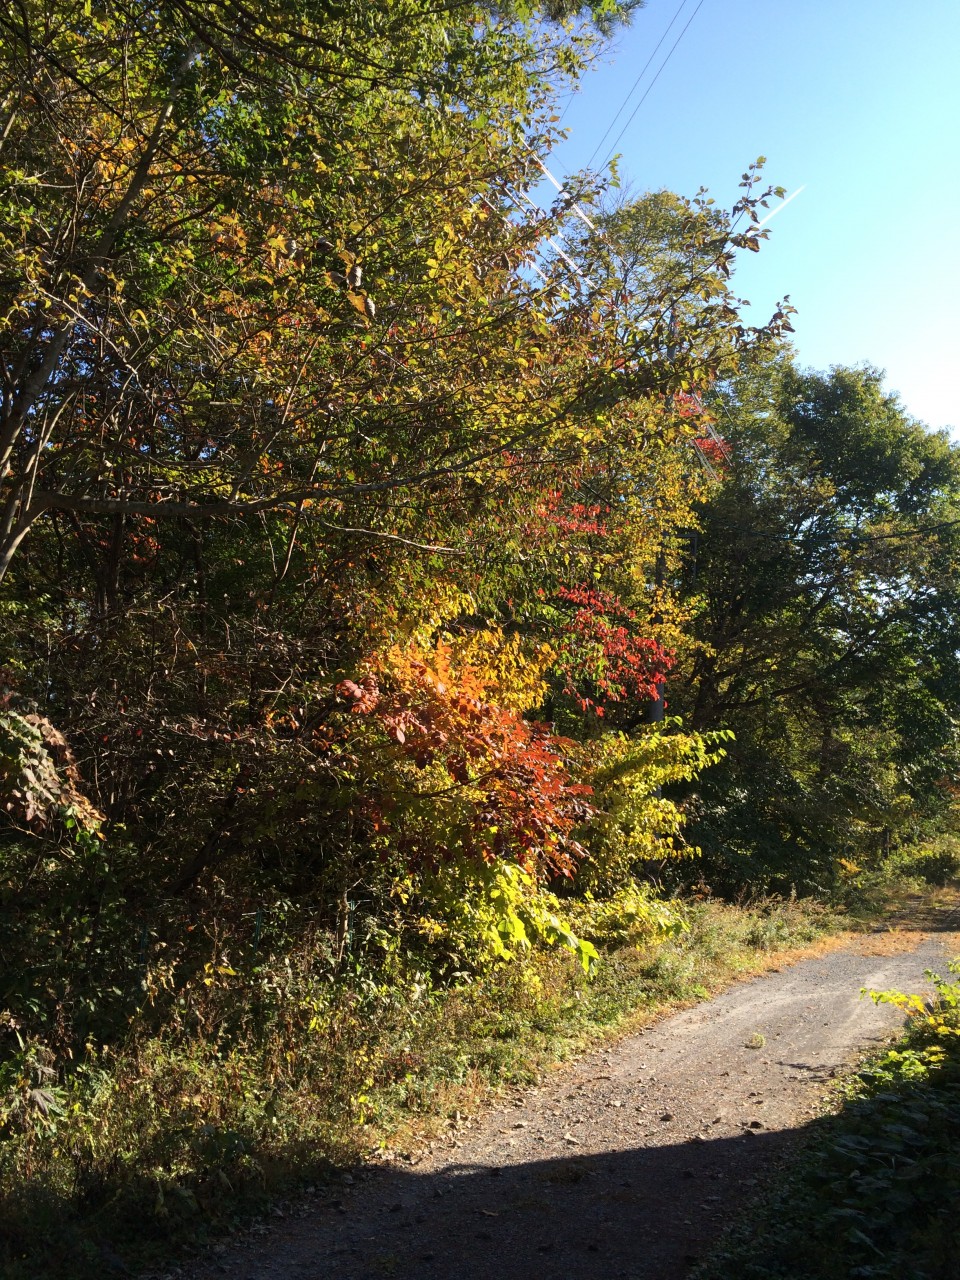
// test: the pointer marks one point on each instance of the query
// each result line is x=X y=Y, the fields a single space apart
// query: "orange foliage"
x=512 y=774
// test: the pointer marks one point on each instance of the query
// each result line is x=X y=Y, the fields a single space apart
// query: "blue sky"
x=856 y=101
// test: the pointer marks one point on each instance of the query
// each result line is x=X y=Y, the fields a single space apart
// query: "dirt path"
x=627 y=1163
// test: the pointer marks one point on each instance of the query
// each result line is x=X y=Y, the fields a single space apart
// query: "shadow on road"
x=647 y=1212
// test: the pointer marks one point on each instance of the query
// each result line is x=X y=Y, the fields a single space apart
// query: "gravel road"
x=626 y=1163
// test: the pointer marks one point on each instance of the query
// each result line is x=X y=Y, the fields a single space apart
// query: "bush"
x=936 y=862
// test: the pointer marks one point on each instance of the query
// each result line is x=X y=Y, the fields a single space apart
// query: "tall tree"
x=249 y=268
x=209 y=242
x=828 y=624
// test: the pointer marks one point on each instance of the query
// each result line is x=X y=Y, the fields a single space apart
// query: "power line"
x=563 y=191
x=550 y=239
x=566 y=106
x=633 y=87
x=646 y=93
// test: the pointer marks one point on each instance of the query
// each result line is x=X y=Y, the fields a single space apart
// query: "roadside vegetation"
x=876 y=1190
x=278 y=1076
x=414 y=635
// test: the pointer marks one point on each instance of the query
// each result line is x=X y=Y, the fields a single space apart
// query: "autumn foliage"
x=355 y=538
x=338 y=510
x=603 y=647
x=508 y=779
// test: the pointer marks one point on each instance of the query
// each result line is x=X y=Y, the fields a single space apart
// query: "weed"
x=280 y=1076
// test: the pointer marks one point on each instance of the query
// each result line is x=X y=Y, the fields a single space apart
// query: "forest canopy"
x=397 y=576
x=352 y=529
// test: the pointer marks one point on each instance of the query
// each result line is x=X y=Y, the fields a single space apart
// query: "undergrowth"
x=875 y=1193
x=908 y=871
x=281 y=1078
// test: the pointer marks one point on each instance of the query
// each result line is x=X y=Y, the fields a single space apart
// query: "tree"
x=299 y=408
x=249 y=270
x=203 y=216
x=828 y=629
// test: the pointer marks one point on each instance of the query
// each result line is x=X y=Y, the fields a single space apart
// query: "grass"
x=279 y=1080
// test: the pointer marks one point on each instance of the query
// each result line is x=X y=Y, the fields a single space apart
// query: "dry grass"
x=361 y=1077
x=892 y=942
